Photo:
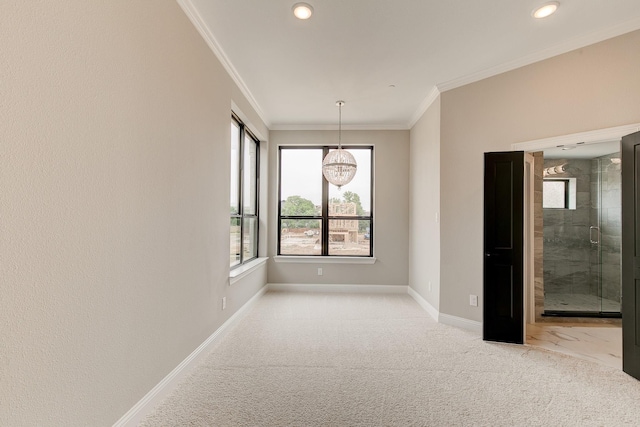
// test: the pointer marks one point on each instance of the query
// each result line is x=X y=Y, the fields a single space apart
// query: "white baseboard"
x=446 y=319
x=460 y=322
x=168 y=383
x=433 y=312
x=380 y=289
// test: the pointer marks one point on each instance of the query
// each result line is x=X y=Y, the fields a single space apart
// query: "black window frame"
x=565 y=181
x=241 y=215
x=324 y=217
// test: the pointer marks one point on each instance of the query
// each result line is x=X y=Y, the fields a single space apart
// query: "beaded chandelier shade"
x=339 y=166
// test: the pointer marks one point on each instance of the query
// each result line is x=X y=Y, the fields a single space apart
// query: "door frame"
x=590 y=137
x=630 y=304
x=528 y=263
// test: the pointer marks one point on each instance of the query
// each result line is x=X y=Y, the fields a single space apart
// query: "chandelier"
x=339 y=166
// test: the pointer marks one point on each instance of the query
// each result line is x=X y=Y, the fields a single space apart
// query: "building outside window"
x=245 y=164
x=317 y=218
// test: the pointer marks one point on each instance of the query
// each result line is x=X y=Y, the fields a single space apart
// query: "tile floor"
x=598 y=343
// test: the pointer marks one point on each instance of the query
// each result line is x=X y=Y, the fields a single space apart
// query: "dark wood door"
x=631 y=254
x=503 y=316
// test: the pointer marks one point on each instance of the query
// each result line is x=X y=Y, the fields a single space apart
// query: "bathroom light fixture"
x=545 y=10
x=554 y=170
x=302 y=10
x=339 y=166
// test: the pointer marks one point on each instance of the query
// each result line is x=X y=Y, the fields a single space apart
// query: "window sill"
x=324 y=259
x=246 y=269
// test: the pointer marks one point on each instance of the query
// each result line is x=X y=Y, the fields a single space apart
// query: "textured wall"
x=424 y=210
x=114 y=177
x=567 y=249
x=595 y=87
x=391 y=216
x=538 y=235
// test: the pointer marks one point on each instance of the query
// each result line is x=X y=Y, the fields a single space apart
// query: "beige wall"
x=114 y=177
x=424 y=206
x=591 y=88
x=391 y=217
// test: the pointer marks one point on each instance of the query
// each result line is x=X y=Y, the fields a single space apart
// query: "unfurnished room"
x=319 y=213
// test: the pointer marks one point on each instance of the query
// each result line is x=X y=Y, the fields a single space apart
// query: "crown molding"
x=196 y=19
x=424 y=106
x=559 y=49
x=344 y=127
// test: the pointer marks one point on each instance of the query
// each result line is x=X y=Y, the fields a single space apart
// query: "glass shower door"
x=607 y=269
x=582 y=231
x=595 y=249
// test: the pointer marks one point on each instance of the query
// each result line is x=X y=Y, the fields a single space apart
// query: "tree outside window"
x=315 y=218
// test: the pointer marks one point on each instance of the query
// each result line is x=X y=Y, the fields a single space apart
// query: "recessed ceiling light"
x=302 y=10
x=545 y=10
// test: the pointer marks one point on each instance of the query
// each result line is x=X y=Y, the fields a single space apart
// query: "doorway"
x=581 y=210
x=507 y=241
x=534 y=289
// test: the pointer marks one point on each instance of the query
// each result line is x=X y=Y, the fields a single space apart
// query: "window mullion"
x=257 y=192
x=325 y=209
x=279 y=230
x=241 y=192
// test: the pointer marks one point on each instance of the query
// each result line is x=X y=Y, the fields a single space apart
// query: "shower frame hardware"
x=594 y=314
x=597 y=239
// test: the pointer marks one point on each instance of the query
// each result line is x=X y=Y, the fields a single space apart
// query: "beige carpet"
x=301 y=359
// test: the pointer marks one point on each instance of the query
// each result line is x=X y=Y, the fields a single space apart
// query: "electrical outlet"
x=473 y=300
x=319 y=271
x=429 y=285
x=224 y=302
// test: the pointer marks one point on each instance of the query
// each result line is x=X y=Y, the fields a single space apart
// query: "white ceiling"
x=293 y=71
x=583 y=150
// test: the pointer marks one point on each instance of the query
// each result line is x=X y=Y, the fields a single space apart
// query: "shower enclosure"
x=582 y=236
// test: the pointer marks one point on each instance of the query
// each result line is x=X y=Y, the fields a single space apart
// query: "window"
x=244 y=194
x=559 y=193
x=314 y=217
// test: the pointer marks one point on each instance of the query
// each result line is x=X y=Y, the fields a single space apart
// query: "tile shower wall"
x=538 y=236
x=610 y=223
x=567 y=265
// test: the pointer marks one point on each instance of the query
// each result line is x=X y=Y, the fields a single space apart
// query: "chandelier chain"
x=339 y=166
x=339 y=125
